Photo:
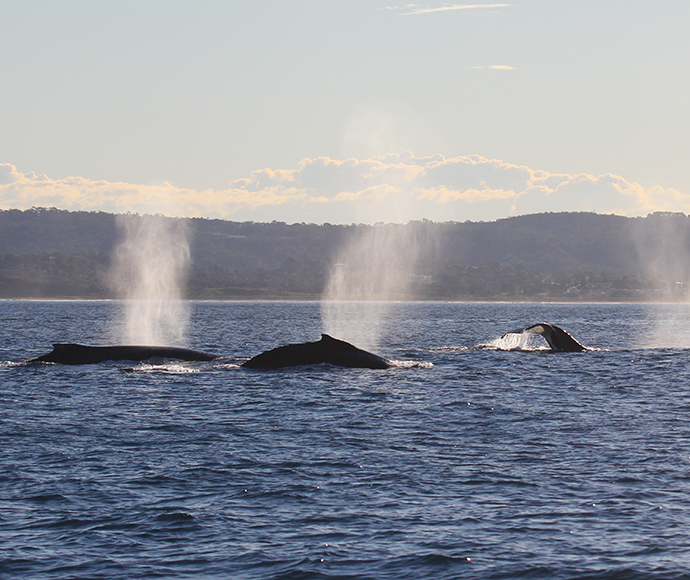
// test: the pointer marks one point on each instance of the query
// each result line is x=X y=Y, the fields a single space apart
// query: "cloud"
x=387 y=188
x=496 y=67
x=8 y=174
x=414 y=9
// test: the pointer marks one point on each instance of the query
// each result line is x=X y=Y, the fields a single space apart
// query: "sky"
x=345 y=111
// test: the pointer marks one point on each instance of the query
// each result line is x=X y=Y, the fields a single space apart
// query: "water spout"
x=373 y=269
x=148 y=273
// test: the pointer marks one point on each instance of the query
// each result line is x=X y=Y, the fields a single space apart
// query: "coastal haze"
x=48 y=253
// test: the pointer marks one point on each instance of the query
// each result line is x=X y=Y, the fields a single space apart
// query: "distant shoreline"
x=541 y=258
x=319 y=300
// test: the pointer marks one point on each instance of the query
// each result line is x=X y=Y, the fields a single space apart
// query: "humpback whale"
x=327 y=350
x=79 y=354
x=559 y=340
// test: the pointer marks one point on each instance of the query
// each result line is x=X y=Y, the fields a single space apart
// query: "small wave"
x=515 y=341
x=14 y=363
x=175 y=516
x=228 y=366
x=48 y=498
x=431 y=561
x=489 y=346
x=68 y=523
x=410 y=364
x=448 y=348
x=168 y=368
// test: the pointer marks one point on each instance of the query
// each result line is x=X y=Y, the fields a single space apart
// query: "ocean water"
x=458 y=462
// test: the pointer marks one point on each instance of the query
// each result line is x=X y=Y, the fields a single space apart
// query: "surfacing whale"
x=559 y=340
x=79 y=354
x=327 y=350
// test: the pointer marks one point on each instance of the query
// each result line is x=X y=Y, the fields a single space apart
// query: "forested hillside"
x=52 y=253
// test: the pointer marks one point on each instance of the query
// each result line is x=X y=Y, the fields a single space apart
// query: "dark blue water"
x=488 y=464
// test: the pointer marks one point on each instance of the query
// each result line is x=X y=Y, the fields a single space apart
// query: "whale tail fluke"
x=559 y=340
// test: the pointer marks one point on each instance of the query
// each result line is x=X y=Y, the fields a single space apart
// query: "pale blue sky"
x=201 y=94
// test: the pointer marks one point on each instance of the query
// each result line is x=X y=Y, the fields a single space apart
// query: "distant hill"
x=52 y=253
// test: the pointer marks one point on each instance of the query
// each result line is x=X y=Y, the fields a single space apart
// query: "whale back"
x=328 y=350
x=80 y=354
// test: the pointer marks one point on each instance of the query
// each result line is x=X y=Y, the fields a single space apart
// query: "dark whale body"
x=79 y=354
x=327 y=350
x=559 y=340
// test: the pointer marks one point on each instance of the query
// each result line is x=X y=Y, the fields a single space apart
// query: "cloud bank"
x=389 y=188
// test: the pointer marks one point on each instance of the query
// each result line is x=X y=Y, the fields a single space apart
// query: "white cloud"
x=389 y=188
x=414 y=9
x=496 y=67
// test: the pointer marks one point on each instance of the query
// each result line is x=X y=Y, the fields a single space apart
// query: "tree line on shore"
x=50 y=253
